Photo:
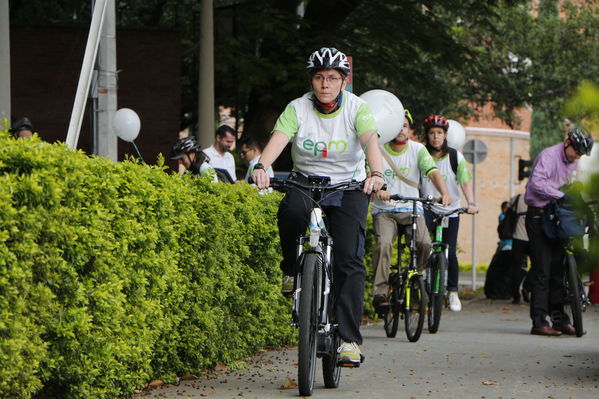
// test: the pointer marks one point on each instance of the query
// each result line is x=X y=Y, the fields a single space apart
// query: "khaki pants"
x=385 y=226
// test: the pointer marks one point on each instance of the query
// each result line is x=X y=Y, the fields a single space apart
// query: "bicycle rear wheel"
x=330 y=370
x=438 y=285
x=573 y=300
x=392 y=315
x=414 y=307
x=311 y=281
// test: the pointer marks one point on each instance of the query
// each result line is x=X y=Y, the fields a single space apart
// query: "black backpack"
x=506 y=227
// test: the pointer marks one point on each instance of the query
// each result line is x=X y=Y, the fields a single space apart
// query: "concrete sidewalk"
x=484 y=351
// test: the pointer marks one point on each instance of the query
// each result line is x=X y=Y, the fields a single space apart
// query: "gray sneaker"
x=287 y=285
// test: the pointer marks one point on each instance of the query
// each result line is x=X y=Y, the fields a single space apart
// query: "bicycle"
x=575 y=297
x=313 y=301
x=436 y=276
x=406 y=297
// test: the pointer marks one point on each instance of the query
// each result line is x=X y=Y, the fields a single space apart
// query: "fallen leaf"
x=288 y=384
x=490 y=382
x=155 y=384
x=220 y=367
x=188 y=377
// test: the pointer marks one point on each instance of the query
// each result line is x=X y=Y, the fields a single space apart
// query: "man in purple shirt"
x=554 y=167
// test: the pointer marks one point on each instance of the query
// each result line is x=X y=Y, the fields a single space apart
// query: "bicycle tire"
x=573 y=294
x=392 y=314
x=308 y=322
x=331 y=372
x=438 y=286
x=414 y=308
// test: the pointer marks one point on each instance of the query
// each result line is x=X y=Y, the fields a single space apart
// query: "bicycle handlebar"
x=427 y=200
x=283 y=184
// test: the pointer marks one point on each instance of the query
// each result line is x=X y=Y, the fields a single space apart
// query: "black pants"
x=546 y=274
x=450 y=237
x=347 y=227
x=520 y=254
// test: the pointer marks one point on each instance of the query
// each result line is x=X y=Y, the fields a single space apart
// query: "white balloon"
x=588 y=165
x=456 y=135
x=388 y=112
x=126 y=124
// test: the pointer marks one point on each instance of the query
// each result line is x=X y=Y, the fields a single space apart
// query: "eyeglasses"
x=328 y=79
x=243 y=152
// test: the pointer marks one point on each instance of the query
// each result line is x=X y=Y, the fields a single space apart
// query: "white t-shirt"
x=412 y=162
x=253 y=162
x=327 y=144
x=452 y=181
x=225 y=161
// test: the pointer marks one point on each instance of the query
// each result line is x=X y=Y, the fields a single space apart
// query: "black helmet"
x=21 y=124
x=328 y=58
x=581 y=141
x=184 y=146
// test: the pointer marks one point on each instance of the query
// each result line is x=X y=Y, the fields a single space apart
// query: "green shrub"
x=112 y=274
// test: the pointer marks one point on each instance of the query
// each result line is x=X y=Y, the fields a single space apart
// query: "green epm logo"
x=322 y=148
x=391 y=174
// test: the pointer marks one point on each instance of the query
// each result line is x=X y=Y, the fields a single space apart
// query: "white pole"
x=107 y=86
x=474 y=222
x=89 y=59
x=4 y=61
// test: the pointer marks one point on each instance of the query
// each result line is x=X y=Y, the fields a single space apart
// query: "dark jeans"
x=546 y=274
x=520 y=253
x=347 y=227
x=450 y=237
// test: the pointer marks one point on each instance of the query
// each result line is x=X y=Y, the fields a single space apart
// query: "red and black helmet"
x=435 y=121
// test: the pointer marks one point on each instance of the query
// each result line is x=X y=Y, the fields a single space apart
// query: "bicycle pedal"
x=347 y=364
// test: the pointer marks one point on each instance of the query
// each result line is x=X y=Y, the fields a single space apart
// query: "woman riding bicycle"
x=455 y=172
x=330 y=130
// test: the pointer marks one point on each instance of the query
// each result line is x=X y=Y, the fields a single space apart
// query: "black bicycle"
x=575 y=297
x=313 y=300
x=406 y=296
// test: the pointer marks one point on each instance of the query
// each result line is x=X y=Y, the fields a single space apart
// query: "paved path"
x=485 y=351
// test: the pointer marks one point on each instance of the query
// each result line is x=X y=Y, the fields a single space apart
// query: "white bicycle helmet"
x=328 y=58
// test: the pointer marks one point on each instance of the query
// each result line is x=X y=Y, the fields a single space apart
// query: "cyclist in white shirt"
x=410 y=160
x=188 y=154
x=331 y=131
x=435 y=128
x=219 y=152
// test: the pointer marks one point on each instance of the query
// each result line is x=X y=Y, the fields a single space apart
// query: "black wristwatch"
x=258 y=166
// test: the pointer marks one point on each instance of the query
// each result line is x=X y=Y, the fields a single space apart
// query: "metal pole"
x=89 y=59
x=107 y=143
x=4 y=61
x=512 y=151
x=206 y=108
x=474 y=225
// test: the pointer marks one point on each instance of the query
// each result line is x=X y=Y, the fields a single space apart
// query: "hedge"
x=114 y=274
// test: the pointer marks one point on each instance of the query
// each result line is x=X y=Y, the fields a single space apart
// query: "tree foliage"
x=438 y=57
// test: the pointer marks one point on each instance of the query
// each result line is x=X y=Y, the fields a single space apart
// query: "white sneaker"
x=454 y=302
x=349 y=355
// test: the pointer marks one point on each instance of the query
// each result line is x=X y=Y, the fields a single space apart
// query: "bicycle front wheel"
x=414 y=307
x=311 y=281
x=392 y=314
x=573 y=300
x=438 y=286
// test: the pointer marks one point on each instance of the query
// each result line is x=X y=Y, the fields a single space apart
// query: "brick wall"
x=45 y=67
x=496 y=180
